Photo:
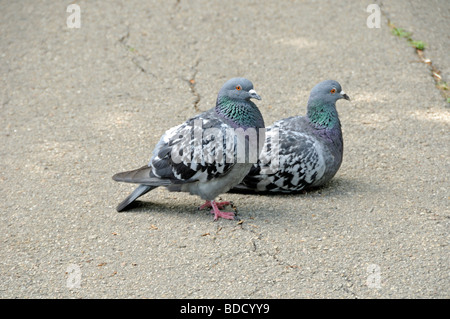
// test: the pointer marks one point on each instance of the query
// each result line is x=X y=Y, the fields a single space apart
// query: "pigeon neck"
x=323 y=115
x=238 y=113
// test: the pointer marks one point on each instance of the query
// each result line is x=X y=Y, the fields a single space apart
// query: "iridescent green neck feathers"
x=239 y=113
x=323 y=115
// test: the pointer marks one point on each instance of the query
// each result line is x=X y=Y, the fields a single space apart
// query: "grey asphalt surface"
x=78 y=105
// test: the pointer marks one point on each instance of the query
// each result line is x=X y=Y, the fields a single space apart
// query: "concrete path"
x=80 y=104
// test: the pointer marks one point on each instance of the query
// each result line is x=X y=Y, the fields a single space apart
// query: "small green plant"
x=419 y=45
x=443 y=85
x=402 y=33
x=399 y=32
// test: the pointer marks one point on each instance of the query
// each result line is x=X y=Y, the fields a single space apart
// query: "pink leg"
x=217 y=213
x=220 y=205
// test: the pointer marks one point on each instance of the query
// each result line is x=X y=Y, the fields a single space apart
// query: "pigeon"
x=301 y=152
x=200 y=156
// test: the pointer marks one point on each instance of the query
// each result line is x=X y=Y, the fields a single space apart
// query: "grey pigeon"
x=190 y=157
x=302 y=151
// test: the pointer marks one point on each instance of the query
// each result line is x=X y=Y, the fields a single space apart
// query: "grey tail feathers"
x=138 y=192
x=137 y=176
x=141 y=175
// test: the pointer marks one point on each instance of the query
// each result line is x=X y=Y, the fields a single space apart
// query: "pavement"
x=80 y=104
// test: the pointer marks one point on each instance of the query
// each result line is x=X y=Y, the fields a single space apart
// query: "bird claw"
x=216 y=206
x=225 y=215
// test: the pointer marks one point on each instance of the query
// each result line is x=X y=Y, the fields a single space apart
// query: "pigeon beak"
x=254 y=95
x=345 y=96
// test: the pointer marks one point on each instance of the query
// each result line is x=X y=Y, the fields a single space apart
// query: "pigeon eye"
x=238 y=88
x=333 y=91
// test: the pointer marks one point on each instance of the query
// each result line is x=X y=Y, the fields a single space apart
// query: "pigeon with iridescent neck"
x=301 y=152
x=199 y=155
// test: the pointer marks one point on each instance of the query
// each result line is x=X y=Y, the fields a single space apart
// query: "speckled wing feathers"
x=183 y=156
x=292 y=165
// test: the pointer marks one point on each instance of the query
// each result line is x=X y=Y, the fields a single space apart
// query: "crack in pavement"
x=191 y=82
x=261 y=252
x=136 y=59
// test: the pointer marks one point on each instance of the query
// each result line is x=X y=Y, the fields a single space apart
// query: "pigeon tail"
x=141 y=175
x=138 y=192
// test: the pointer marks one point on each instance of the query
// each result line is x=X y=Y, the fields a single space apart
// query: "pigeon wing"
x=289 y=162
x=192 y=151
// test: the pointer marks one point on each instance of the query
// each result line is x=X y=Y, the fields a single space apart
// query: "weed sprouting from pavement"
x=420 y=47
x=402 y=33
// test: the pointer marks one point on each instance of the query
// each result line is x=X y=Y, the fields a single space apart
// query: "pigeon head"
x=328 y=92
x=234 y=105
x=239 y=89
x=322 y=103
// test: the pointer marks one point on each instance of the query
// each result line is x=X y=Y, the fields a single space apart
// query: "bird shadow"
x=148 y=207
x=341 y=186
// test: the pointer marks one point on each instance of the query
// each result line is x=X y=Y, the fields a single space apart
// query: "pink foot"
x=217 y=213
x=216 y=206
x=220 y=205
